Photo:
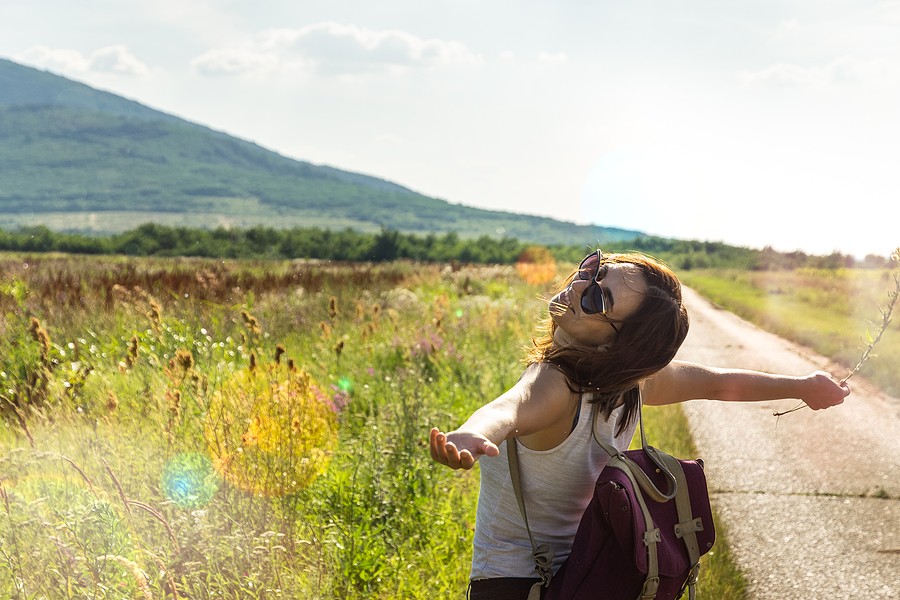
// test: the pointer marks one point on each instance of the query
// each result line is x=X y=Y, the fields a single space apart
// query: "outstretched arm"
x=680 y=381
x=538 y=401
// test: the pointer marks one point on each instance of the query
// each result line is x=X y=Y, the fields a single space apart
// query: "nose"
x=580 y=284
x=578 y=287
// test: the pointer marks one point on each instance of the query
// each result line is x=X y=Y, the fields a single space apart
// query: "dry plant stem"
x=885 y=321
x=118 y=485
x=156 y=515
x=867 y=353
x=20 y=419
x=169 y=579
x=81 y=472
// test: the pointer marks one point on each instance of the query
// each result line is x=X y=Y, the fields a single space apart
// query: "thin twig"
x=885 y=321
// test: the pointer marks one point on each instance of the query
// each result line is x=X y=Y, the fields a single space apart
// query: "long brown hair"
x=647 y=342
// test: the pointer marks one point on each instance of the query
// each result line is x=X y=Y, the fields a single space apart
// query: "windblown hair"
x=647 y=342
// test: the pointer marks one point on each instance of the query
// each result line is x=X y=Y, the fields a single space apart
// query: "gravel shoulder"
x=811 y=500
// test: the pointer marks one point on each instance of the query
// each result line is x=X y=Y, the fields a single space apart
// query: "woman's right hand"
x=459 y=449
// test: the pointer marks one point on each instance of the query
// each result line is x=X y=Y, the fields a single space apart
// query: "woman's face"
x=622 y=286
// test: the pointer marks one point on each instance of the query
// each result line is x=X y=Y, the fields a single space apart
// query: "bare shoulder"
x=545 y=399
x=543 y=374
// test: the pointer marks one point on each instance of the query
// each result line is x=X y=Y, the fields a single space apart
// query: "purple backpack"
x=634 y=541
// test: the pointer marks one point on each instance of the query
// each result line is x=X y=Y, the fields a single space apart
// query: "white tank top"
x=557 y=485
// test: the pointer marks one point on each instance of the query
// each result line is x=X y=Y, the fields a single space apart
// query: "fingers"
x=439 y=448
x=490 y=449
x=433 y=445
x=827 y=392
x=446 y=452
x=443 y=451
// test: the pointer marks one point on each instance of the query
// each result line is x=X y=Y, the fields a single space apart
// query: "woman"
x=614 y=329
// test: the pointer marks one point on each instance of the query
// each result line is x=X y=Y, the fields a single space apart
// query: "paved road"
x=811 y=500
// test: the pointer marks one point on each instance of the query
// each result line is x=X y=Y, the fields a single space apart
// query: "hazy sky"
x=754 y=123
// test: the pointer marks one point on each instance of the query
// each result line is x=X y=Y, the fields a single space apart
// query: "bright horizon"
x=763 y=124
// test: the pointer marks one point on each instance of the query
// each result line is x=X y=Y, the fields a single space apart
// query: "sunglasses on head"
x=594 y=301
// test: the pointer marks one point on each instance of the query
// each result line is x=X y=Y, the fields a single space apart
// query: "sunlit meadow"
x=202 y=429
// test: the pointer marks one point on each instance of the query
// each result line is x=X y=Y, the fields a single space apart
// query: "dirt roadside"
x=811 y=501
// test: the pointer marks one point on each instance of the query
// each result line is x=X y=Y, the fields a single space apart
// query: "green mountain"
x=74 y=158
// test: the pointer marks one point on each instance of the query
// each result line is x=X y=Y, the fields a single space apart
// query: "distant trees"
x=266 y=242
x=389 y=244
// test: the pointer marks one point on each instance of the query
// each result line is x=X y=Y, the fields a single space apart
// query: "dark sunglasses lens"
x=588 y=267
x=592 y=300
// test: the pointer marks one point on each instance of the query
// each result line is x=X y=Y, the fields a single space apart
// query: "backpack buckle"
x=649 y=590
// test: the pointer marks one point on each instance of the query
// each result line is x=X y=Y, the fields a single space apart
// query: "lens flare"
x=189 y=480
x=271 y=432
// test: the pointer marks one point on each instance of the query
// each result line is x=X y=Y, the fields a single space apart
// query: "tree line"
x=388 y=245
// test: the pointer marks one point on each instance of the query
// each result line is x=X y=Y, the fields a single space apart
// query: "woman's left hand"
x=822 y=391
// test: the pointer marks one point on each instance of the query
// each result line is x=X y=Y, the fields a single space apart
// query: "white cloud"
x=886 y=12
x=115 y=59
x=842 y=71
x=334 y=48
x=234 y=61
x=552 y=58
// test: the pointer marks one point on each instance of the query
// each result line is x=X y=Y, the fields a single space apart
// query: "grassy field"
x=210 y=429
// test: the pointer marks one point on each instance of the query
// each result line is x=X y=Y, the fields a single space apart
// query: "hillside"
x=74 y=158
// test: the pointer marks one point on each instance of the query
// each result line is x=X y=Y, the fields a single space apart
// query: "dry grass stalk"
x=158 y=516
x=22 y=423
x=81 y=472
x=170 y=581
x=117 y=484
x=5 y=497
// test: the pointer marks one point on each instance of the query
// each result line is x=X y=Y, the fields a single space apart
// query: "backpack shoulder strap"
x=541 y=554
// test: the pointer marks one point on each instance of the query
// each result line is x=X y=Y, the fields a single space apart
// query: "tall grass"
x=208 y=429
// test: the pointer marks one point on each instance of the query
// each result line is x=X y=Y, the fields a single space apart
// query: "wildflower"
x=41 y=336
x=185 y=359
x=174 y=399
x=133 y=346
x=427 y=345
x=251 y=322
x=279 y=351
x=179 y=366
x=339 y=399
x=289 y=435
x=155 y=312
